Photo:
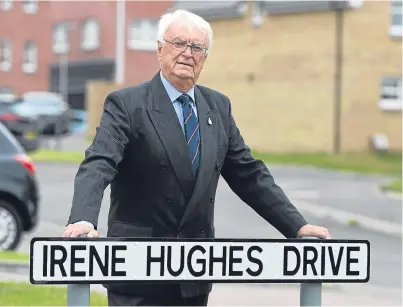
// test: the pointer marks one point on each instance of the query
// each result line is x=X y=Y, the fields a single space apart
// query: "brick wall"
x=370 y=53
x=280 y=78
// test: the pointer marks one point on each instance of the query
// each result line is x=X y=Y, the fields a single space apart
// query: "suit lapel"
x=208 y=151
x=167 y=125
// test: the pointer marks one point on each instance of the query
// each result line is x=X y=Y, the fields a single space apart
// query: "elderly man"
x=162 y=146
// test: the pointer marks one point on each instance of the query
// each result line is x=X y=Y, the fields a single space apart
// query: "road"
x=56 y=182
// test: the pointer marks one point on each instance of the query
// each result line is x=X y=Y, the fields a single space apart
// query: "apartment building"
x=302 y=75
x=60 y=45
x=308 y=76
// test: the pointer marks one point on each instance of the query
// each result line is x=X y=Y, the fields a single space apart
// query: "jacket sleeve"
x=250 y=179
x=101 y=161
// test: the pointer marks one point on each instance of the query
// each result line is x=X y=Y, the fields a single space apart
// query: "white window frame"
x=6 y=5
x=62 y=46
x=142 y=35
x=6 y=61
x=90 y=35
x=395 y=30
x=391 y=96
x=30 y=6
x=31 y=65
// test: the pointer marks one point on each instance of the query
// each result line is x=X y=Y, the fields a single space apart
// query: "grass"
x=385 y=163
x=13 y=256
x=394 y=186
x=26 y=294
x=53 y=155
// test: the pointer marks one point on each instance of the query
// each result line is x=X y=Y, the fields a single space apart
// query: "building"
x=40 y=39
x=306 y=76
x=322 y=76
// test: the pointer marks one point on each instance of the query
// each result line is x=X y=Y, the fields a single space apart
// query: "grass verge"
x=394 y=186
x=13 y=256
x=52 y=155
x=26 y=294
x=387 y=163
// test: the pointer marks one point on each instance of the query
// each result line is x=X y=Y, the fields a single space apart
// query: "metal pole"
x=63 y=91
x=120 y=41
x=310 y=292
x=339 y=14
x=64 y=75
x=78 y=294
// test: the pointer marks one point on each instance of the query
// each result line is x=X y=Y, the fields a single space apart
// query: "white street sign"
x=109 y=260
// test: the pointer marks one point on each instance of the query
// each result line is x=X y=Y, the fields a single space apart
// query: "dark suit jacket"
x=139 y=149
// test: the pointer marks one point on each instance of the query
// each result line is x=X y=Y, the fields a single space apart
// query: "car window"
x=9 y=144
x=24 y=109
x=44 y=104
x=4 y=107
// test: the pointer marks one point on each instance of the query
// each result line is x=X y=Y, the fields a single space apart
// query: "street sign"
x=111 y=260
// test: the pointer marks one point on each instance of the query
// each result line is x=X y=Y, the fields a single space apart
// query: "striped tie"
x=191 y=131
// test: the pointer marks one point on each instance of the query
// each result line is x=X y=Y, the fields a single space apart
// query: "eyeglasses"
x=181 y=45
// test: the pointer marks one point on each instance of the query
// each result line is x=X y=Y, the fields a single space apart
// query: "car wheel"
x=10 y=226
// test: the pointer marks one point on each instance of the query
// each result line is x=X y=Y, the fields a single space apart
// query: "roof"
x=213 y=10
x=292 y=7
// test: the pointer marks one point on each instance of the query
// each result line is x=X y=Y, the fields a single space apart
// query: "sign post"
x=84 y=261
x=310 y=294
x=78 y=295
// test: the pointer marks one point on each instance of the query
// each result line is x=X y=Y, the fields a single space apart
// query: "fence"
x=275 y=254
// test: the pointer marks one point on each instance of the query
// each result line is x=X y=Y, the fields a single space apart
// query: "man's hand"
x=313 y=231
x=75 y=230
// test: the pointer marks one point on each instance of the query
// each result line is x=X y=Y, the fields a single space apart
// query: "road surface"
x=234 y=219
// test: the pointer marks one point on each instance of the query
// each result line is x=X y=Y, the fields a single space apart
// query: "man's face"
x=180 y=65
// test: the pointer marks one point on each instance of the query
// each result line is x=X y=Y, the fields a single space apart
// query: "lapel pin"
x=209 y=121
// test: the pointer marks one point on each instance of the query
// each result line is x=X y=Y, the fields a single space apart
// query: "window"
x=143 y=35
x=6 y=5
x=5 y=54
x=396 y=27
x=60 y=38
x=391 y=93
x=30 y=57
x=90 y=35
x=30 y=6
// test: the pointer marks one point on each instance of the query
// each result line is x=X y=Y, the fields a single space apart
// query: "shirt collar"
x=173 y=93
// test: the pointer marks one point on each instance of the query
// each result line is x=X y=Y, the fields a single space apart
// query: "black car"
x=53 y=113
x=19 y=120
x=19 y=192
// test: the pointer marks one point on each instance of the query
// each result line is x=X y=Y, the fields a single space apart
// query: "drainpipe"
x=338 y=77
x=120 y=41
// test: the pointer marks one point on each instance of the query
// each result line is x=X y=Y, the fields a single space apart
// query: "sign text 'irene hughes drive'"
x=109 y=260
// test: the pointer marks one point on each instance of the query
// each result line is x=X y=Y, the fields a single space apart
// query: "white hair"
x=186 y=18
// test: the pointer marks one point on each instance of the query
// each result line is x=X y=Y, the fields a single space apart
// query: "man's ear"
x=159 y=48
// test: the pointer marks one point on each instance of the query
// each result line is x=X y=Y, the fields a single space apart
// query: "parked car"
x=24 y=125
x=6 y=90
x=53 y=113
x=19 y=191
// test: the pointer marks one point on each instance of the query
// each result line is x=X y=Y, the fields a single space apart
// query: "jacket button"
x=168 y=199
x=164 y=168
x=212 y=199
x=201 y=229
x=217 y=167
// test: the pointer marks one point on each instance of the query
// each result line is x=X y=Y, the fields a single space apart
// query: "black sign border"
x=246 y=281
